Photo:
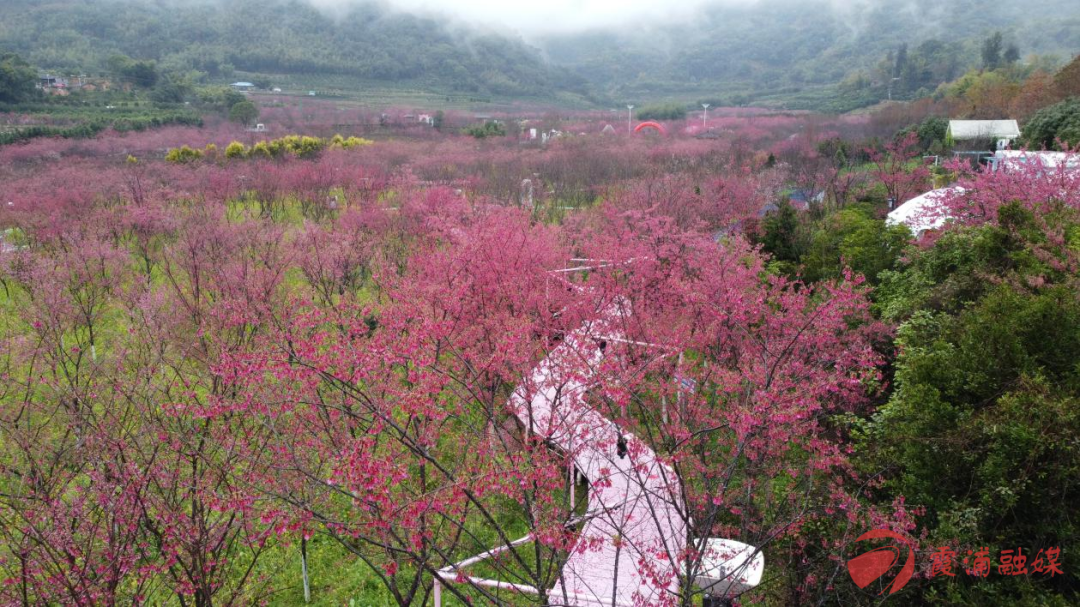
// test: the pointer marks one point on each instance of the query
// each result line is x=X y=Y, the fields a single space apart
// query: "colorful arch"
x=651 y=125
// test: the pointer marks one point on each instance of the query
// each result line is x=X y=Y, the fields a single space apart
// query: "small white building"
x=1003 y=132
x=920 y=214
x=551 y=135
x=426 y=119
x=242 y=86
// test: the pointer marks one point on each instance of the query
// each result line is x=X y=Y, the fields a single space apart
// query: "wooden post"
x=303 y=568
x=572 y=475
x=678 y=394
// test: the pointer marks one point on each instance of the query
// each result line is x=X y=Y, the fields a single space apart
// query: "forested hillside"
x=817 y=54
x=216 y=39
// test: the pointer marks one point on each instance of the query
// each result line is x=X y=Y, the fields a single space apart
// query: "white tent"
x=1015 y=159
x=960 y=130
x=916 y=213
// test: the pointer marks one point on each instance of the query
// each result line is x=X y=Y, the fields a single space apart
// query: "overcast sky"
x=532 y=16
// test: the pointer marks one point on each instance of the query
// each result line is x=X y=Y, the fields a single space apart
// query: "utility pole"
x=704 y=116
x=890 y=87
x=629 y=119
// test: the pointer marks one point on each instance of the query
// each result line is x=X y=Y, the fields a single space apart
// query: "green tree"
x=932 y=130
x=118 y=63
x=853 y=238
x=901 y=61
x=491 y=128
x=1067 y=80
x=991 y=51
x=982 y=423
x=17 y=78
x=220 y=97
x=664 y=111
x=1060 y=121
x=244 y=112
x=172 y=89
x=142 y=74
x=783 y=238
x=1012 y=54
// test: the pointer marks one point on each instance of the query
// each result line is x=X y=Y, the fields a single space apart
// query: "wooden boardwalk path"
x=627 y=552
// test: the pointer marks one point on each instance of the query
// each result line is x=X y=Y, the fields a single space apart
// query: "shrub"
x=491 y=128
x=665 y=111
x=1060 y=121
x=183 y=155
x=235 y=150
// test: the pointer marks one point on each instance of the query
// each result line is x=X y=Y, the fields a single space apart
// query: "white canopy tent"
x=918 y=213
x=1015 y=159
x=1002 y=131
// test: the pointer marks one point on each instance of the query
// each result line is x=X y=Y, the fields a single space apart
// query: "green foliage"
x=292 y=145
x=664 y=111
x=90 y=122
x=183 y=155
x=982 y=422
x=839 y=150
x=25 y=134
x=1012 y=54
x=171 y=89
x=235 y=150
x=931 y=131
x=991 y=51
x=337 y=141
x=783 y=238
x=1067 y=79
x=853 y=238
x=491 y=128
x=850 y=238
x=219 y=97
x=244 y=112
x=302 y=147
x=1048 y=125
x=142 y=74
x=17 y=79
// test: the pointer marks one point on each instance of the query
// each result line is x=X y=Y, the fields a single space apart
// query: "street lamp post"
x=629 y=119
x=705 y=115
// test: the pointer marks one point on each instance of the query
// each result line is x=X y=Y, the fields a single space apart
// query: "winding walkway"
x=627 y=551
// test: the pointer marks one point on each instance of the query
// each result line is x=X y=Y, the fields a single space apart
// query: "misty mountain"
x=739 y=49
x=730 y=51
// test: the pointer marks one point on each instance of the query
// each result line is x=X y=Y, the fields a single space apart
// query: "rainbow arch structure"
x=659 y=128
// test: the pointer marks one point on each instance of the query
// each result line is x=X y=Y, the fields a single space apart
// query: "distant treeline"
x=664 y=111
x=94 y=126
